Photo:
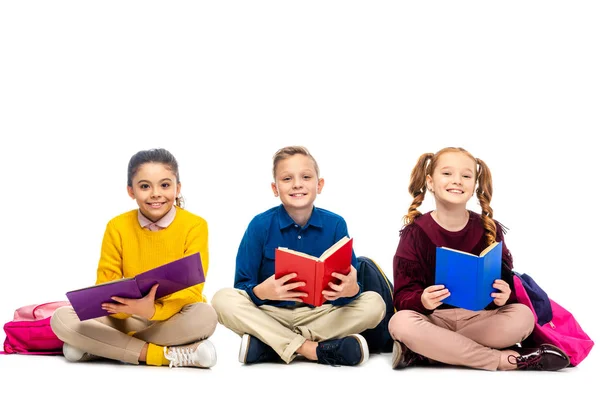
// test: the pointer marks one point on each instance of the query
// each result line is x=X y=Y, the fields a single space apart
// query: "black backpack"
x=373 y=279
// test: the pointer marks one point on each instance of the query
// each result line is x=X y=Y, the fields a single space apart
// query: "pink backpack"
x=561 y=330
x=30 y=333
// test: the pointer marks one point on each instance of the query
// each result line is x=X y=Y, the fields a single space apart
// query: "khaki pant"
x=108 y=337
x=462 y=337
x=285 y=329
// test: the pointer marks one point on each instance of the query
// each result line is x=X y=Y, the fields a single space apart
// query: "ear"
x=274 y=189
x=178 y=189
x=320 y=185
x=429 y=181
x=130 y=192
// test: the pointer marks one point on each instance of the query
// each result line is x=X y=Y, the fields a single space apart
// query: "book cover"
x=468 y=277
x=171 y=277
x=315 y=271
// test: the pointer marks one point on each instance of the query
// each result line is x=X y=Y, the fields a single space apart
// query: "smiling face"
x=297 y=183
x=154 y=188
x=453 y=179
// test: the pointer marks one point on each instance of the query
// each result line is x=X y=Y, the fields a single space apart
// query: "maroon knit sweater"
x=414 y=262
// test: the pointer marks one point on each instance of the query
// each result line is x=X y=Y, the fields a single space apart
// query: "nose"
x=155 y=192
x=297 y=182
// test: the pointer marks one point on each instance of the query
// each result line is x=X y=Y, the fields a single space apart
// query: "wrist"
x=257 y=290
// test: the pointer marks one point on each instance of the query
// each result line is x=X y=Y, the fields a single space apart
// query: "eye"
x=446 y=173
x=165 y=185
x=144 y=186
x=307 y=177
x=287 y=178
x=467 y=176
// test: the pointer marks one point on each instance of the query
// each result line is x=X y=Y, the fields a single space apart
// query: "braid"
x=417 y=187
x=484 y=195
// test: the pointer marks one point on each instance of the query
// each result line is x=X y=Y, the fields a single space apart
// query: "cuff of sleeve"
x=120 y=315
x=255 y=299
x=158 y=310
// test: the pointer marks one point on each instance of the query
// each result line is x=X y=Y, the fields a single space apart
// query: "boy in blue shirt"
x=268 y=313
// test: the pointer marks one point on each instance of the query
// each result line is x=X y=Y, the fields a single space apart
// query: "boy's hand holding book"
x=143 y=307
x=278 y=289
x=347 y=286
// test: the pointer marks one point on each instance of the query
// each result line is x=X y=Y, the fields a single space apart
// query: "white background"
x=366 y=86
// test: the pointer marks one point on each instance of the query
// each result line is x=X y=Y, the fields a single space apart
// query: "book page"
x=298 y=253
x=333 y=248
x=459 y=251
x=489 y=248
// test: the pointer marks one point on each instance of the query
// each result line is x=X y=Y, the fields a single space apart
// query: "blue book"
x=468 y=277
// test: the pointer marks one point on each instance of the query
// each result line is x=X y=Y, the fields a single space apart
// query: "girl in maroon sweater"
x=425 y=329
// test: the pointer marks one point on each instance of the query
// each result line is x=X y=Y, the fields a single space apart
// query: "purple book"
x=171 y=277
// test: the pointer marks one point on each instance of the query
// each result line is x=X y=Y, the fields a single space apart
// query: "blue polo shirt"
x=274 y=228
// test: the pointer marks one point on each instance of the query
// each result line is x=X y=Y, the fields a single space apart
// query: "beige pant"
x=108 y=337
x=285 y=329
x=462 y=337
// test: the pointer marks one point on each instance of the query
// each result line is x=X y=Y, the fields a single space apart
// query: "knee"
x=525 y=318
x=223 y=299
x=201 y=317
x=59 y=321
x=400 y=325
x=376 y=306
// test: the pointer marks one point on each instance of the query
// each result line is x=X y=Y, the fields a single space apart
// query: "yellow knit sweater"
x=128 y=249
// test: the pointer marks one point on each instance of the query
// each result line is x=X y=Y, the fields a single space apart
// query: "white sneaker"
x=200 y=354
x=74 y=354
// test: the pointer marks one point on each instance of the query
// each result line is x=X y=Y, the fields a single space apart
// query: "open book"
x=315 y=271
x=468 y=277
x=171 y=277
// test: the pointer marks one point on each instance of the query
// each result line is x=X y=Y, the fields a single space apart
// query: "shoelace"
x=329 y=355
x=528 y=363
x=179 y=356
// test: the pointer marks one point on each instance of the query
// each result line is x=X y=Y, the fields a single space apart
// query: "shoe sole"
x=364 y=347
x=213 y=355
x=244 y=348
x=396 y=354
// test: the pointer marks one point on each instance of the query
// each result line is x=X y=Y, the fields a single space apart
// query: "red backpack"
x=30 y=333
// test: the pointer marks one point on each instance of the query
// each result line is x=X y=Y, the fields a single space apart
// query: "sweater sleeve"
x=196 y=241
x=110 y=266
x=411 y=271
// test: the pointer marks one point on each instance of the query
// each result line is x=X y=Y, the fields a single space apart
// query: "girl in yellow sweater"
x=171 y=330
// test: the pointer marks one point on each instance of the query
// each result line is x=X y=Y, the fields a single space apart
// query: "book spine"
x=319 y=280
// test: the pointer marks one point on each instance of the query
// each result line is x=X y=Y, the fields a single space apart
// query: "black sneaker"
x=351 y=350
x=254 y=351
x=403 y=357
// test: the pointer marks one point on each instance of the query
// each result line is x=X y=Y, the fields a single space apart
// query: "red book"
x=315 y=271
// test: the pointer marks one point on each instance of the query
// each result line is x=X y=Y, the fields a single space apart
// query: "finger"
x=332 y=297
x=337 y=288
x=291 y=286
x=121 y=300
x=291 y=293
x=329 y=293
x=287 y=277
x=441 y=297
x=437 y=294
x=339 y=276
x=152 y=293
x=433 y=288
